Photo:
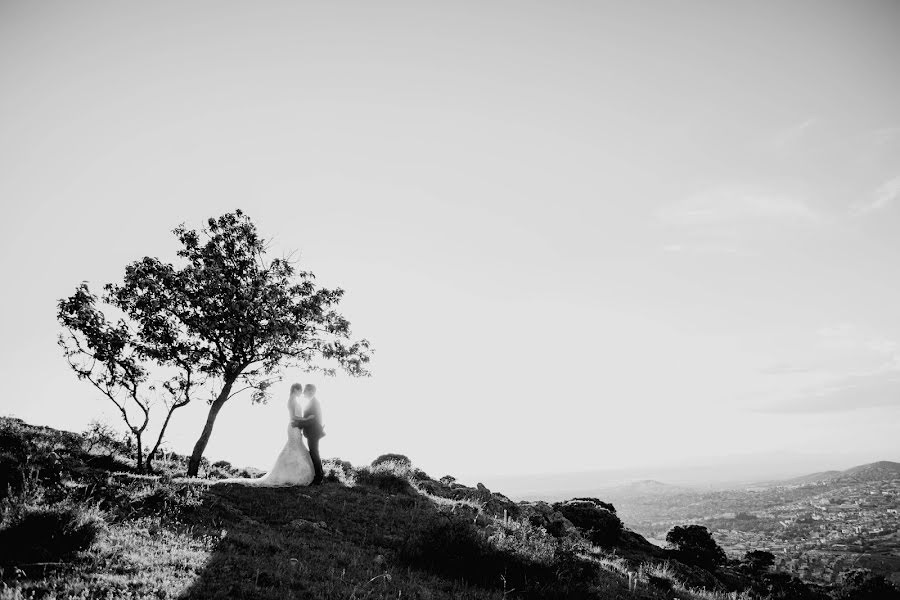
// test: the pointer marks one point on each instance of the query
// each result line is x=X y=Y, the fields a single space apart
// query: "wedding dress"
x=294 y=465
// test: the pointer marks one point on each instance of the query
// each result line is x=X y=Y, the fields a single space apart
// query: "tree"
x=863 y=584
x=759 y=560
x=596 y=519
x=696 y=546
x=234 y=317
x=118 y=363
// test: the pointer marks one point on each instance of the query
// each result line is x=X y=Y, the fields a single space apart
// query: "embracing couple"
x=297 y=465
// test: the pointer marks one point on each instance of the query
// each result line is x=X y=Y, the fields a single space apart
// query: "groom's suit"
x=314 y=431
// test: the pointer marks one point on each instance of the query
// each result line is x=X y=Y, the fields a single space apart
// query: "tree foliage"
x=759 y=560
x=230 y=315
x=863 y=584
x=696 y=546
x=116 y=362
x=594 y=518
x=400 y=459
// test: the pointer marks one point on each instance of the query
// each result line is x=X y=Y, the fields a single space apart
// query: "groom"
x=311 y=425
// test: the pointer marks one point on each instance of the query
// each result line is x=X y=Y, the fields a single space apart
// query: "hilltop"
x=876 y=471
x=78 y=523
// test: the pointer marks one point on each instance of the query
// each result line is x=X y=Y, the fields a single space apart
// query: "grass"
x=385 y=531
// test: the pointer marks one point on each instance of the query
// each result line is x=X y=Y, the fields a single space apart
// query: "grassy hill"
x=77 y=523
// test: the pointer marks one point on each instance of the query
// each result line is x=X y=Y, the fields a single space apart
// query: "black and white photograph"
x=592 y=300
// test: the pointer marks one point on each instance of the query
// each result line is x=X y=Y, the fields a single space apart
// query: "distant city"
x=817 y=526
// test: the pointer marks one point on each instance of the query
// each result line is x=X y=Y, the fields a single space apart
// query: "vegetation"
x=223 y=322
x=594 y=518
x=863 y=584
x=392 y=458
x=696 y=546
x=96 y=528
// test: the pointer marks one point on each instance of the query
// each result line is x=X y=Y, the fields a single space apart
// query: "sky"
x=580 y=236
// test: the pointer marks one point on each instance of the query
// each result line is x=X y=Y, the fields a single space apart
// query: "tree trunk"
x=140 y=457
x=162 y=432
x=200 y=446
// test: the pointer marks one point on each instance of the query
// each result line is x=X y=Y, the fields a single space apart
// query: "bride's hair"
x=296 y=388
x=309 y=390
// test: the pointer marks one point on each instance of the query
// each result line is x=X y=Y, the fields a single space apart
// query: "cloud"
x=733 y=220
x=885 y=195
x=852 y=393
x=787 y=369
x=722 y=206
x=793 y=134
x=706 y=247
x=841 y=350
x=845 y=370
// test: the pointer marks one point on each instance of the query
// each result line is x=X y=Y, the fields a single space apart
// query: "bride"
x=294 y=465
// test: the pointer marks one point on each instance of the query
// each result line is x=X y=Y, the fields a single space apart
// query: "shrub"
x=12 y=478
x=395 y=458
x=783 y=586
x=596 y=502
x=757 y=561
x=165 y=499
x=863 y=584
x=520 y=560
x=696 y=546
x=48 y=533
x=338 y=470
x=526 y=541
x=598 y=524
x=101 y=435
x=660 y=583
x=15 y=451
x=384 y=480
x=452 y=546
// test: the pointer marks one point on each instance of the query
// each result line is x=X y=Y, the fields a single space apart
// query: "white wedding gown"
x=294 y=465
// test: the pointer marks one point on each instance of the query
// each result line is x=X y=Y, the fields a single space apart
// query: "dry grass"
x=171 y=537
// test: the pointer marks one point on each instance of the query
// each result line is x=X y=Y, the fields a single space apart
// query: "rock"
x=304 y=525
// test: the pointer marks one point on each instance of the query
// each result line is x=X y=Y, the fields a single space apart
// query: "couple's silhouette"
x=297 y=464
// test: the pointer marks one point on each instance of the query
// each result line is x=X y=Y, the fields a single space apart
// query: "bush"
x=101 y=435
x=696 y=546
x=596 y=502
x=395 y=458
x=758 y=561
x=15 y=451
x=12 y=478
x=520 y=559
x=166 y=499
x=598 y=524
x=452 y=546
x=863 y=584
x=340 y=471
x=48 y=533
x=384 y=480
x=660 y=583
x=783 y=586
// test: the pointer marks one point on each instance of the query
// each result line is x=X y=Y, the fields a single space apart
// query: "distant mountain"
x=807 y=479
x=645 y=487
x=876 y=471
x=883 y=469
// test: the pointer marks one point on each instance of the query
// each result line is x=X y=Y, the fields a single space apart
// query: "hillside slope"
x=388 y=531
